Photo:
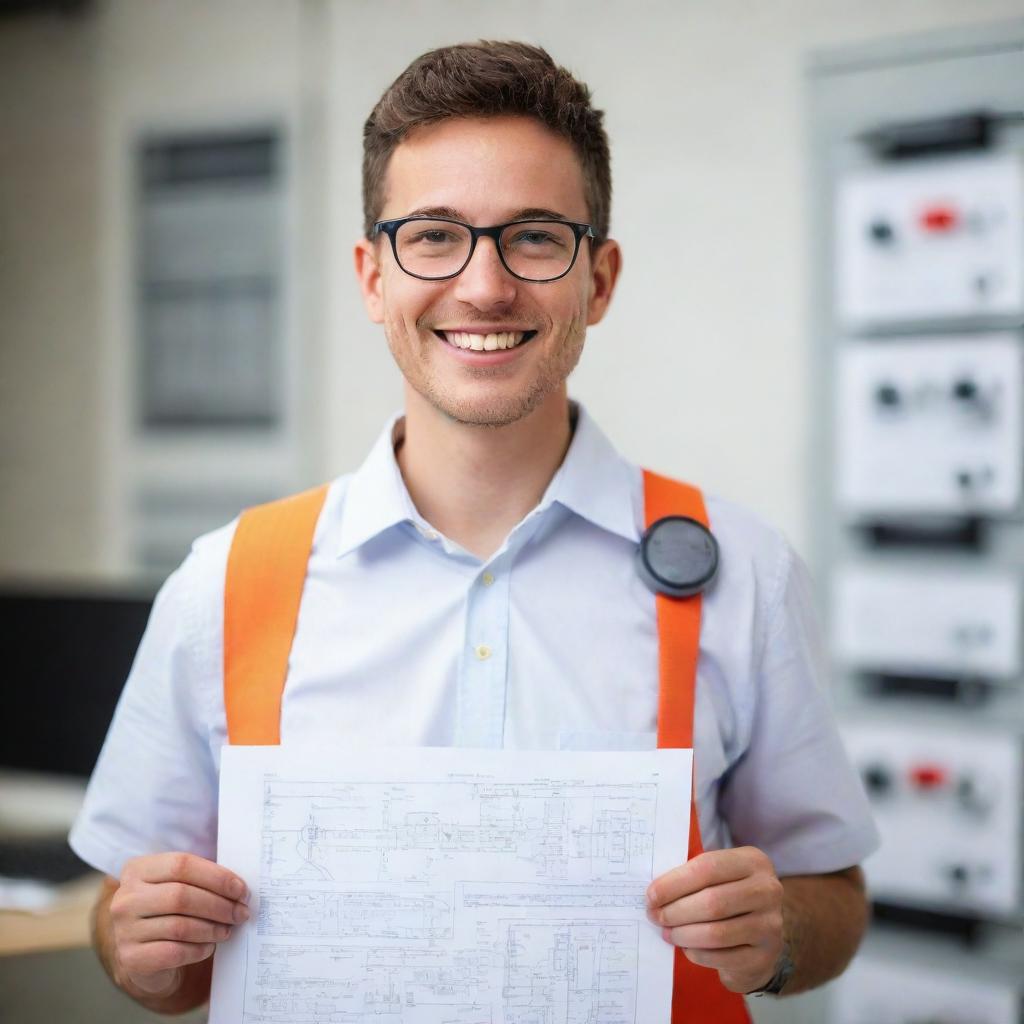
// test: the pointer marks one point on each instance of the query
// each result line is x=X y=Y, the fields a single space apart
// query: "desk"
x=64 y=926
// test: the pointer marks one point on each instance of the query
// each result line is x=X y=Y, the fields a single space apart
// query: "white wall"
x=49 y=286
x=699 y=370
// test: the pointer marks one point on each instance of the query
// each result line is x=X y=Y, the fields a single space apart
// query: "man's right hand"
x=168 y=912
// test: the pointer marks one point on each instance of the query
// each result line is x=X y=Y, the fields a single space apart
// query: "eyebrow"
x=449 y=213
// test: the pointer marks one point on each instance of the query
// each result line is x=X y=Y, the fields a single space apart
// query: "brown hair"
x=488 y=79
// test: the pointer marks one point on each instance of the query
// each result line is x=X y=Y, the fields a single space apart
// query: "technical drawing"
x=391 y=831
x=570 y=972
x=457 y=898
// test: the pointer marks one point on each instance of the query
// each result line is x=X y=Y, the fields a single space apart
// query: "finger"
x=188 y=868
x=720 y=902
x=151 y=957
x=711 y=868
x=176 y=898
x=736 y=958
x=745 y=930
x=178 y=928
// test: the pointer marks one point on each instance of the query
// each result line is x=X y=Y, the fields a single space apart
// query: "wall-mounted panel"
x=887 y=989
x=931 y=239
x=948 y=804
x=935 y=622
x=930 y=426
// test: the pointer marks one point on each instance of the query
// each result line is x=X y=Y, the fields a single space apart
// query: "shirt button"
x=483 y=652
x=487 y=579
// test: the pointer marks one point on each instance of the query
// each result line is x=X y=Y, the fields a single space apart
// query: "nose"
x=485 y=283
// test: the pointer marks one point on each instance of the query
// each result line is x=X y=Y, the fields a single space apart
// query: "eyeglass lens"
x=436 y=248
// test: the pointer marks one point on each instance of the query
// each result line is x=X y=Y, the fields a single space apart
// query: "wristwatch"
x=783 y=972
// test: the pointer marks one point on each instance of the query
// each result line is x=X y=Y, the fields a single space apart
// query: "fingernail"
x=666 y=934
x=650 y=896
x=236 y=889
x=241 y=913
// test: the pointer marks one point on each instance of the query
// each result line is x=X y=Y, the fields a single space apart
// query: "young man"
x=474 y=582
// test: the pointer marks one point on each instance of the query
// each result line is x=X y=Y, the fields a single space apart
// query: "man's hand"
x=724 y=909
x=168 y=913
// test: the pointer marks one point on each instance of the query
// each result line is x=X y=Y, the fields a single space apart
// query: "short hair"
x=488 y=79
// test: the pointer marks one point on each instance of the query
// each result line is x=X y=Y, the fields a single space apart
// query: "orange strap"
x=262 y=590
x=698 y=997
x=265 y=576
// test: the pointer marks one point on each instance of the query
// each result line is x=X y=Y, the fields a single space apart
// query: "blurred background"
x=820 y=203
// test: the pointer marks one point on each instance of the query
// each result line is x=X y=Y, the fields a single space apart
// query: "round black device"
x=678 y=556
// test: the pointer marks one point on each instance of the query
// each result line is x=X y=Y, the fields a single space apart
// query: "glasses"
x=436 y=249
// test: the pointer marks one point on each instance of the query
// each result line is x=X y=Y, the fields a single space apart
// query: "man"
x=473 y=583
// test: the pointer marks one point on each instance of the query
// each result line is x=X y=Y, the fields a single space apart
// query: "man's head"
x=486 y=134
x=488 y=79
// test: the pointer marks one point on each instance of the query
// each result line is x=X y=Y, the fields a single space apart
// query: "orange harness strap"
x=698 y=997
x=262 y=590
x=266 y=571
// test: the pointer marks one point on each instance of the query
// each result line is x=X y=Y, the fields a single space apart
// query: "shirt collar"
x=593 y=481
x=376 y=498
x=596 y=482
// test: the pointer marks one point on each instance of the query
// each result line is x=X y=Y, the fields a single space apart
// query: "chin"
x=490 y=411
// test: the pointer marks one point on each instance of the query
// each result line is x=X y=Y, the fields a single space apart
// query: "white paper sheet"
x=448 y=886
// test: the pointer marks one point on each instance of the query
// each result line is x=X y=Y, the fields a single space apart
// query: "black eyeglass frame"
x=391 y=228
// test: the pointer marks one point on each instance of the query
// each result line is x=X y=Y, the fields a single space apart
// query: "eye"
x=434 y=236
x=534 y=237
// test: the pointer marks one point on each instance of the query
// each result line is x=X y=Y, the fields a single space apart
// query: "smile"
x=485 y=342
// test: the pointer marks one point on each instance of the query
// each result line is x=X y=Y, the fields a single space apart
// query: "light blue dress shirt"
x=404 y=638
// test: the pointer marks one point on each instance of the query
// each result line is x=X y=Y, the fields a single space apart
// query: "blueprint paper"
x=448 y=886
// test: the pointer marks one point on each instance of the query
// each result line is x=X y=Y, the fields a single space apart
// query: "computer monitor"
x=66 y=655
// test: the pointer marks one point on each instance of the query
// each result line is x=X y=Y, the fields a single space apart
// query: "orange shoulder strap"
x=262 y=590
x=678 y=620
x=698 y=997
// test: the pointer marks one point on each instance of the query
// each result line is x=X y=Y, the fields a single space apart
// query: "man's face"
x=484 y=172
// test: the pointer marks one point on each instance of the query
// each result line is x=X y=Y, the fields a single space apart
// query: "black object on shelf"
x=40 y=859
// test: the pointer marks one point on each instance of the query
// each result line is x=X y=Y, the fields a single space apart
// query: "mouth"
x=494 y=341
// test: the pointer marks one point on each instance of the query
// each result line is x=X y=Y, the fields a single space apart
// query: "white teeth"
x=484 y=342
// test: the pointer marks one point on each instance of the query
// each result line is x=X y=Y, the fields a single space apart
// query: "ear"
x=607 y=263
x=368 y=275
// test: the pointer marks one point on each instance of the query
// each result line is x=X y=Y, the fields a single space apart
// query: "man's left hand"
x=724 y=909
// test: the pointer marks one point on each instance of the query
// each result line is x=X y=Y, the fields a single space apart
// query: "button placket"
x=484 y=664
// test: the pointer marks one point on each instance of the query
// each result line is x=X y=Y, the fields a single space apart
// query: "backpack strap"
x=698 y=996
x=266 y=572
x=678 y=619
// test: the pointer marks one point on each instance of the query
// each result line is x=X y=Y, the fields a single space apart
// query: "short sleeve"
x=793 y=793
x=154 y=787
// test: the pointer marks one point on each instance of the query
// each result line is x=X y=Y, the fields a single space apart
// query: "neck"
x=474 y=483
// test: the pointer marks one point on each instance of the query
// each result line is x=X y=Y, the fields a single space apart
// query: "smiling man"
x=474 y=582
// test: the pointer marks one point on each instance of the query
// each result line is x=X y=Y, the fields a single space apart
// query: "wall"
x=49 y=294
